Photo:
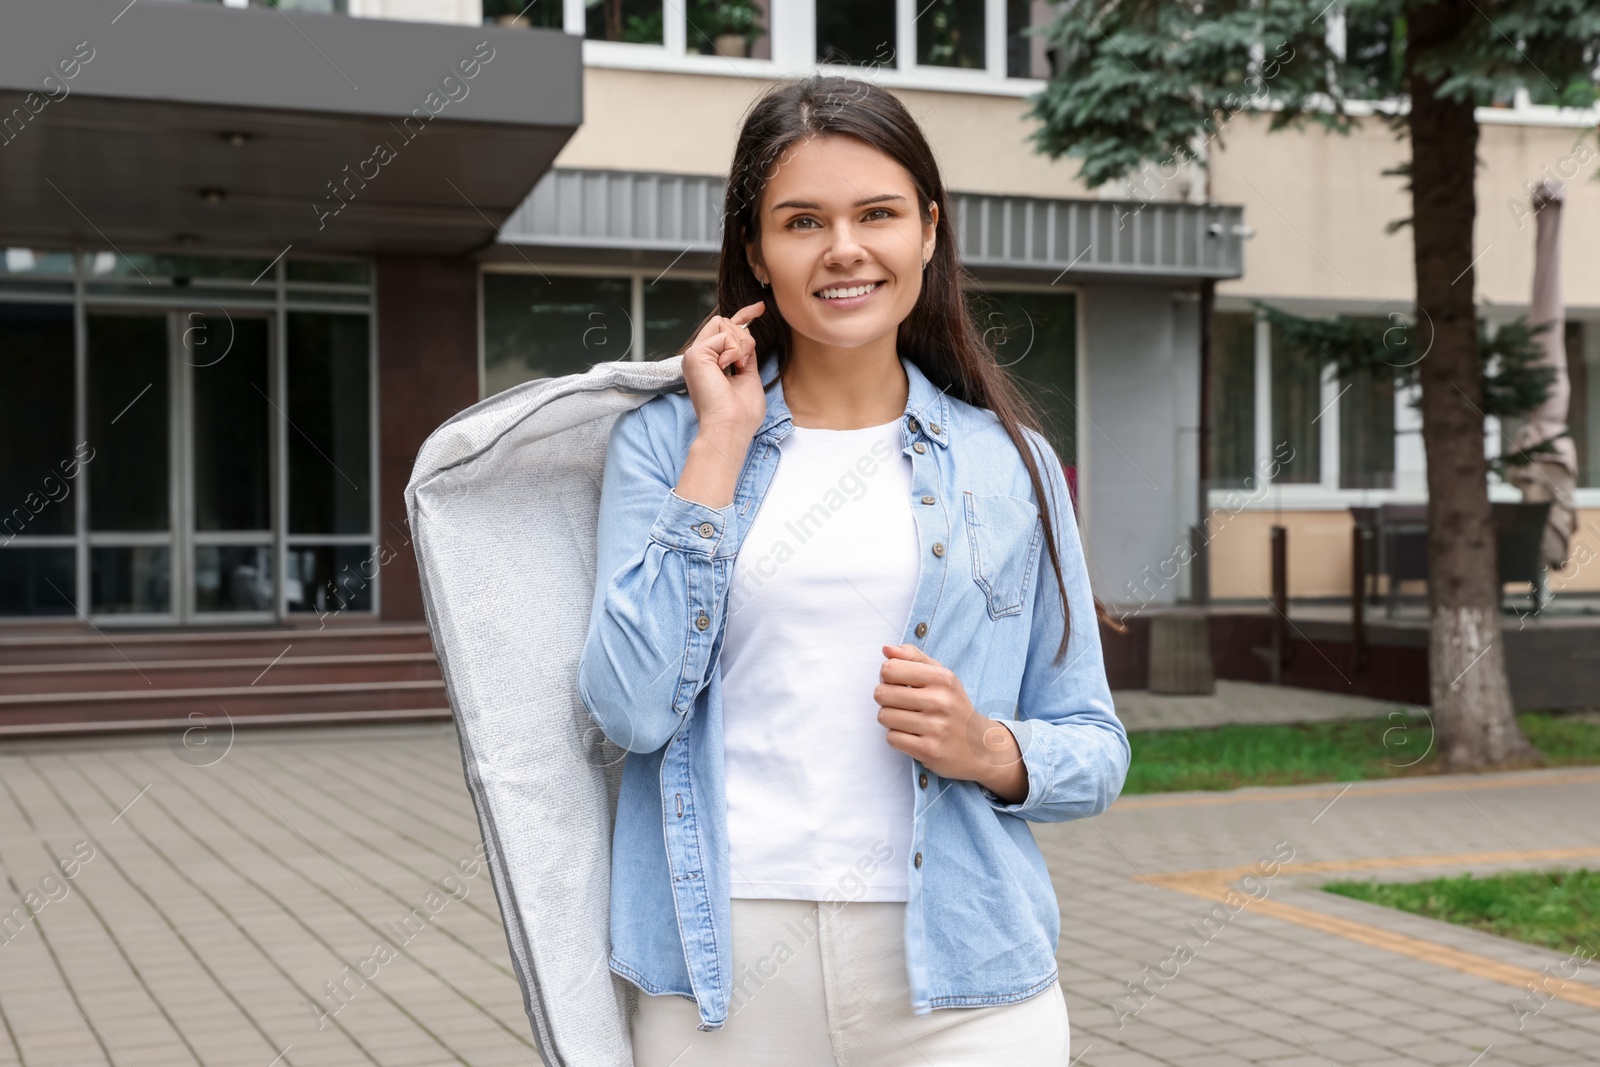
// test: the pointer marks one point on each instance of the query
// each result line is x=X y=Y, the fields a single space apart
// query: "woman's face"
x=841 y=242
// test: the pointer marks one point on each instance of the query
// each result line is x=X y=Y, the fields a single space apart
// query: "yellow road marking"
x=1278 y=795
x=1215 y=885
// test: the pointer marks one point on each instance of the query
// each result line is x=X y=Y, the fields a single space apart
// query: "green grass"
x=1226 y=757
x=1522 y=905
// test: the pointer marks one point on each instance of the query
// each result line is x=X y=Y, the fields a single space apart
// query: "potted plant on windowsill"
x=732 y=26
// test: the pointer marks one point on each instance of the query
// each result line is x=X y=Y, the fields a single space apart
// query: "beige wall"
x=687 y=124
x=1319 y=554
x=1319 y=204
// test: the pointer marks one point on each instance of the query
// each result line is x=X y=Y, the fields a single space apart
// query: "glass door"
x=180 y=493
x=129 y=466
x=226 y=453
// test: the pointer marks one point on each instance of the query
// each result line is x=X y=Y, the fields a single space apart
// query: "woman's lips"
x=852 y=301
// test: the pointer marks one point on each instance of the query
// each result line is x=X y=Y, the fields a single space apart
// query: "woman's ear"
x=928 y=231
x=752 y=256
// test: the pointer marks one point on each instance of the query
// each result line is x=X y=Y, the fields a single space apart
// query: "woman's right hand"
x=729 y=407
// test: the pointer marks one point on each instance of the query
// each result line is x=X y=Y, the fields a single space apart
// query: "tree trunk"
x=1471 y=698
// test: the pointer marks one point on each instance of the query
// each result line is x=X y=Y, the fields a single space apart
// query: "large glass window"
x=129 y=401
x=39 y=464
x=544 y=326
x=1035 y=337
x=172 y=505
x=36 y=418
x=330 y=431
x=1233 y=399
x=672 y=309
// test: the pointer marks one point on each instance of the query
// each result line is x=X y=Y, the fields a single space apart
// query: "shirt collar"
x=924 y=400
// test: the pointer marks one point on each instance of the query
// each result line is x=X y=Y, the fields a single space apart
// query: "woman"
x=827 y=636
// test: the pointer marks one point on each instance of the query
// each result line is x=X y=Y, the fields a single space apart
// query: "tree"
x=1152 y=82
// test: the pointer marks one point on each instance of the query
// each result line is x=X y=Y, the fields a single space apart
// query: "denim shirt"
x=982 y=920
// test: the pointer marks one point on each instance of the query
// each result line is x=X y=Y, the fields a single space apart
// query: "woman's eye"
x=877 y=211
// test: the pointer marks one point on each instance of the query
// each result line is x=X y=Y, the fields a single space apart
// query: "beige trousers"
x=825 y=986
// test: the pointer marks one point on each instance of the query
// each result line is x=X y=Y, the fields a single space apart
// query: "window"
x=188 y=509
x=544 y=15
x=672 y=309
x=1583 y=411
x=38 y=463
x=538 y=326
x=856 y=32
x=1027 y=55
x=1233 y=399
x=1366 y=431
x=1035 y=337
x=728 y=28
x=630 y=21
x=1296 y=410
x=950 y=34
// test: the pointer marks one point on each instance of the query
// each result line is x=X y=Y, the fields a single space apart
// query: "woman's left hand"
x=930 y=718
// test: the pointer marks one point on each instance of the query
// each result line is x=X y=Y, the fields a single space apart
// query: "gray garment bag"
x=503 y=504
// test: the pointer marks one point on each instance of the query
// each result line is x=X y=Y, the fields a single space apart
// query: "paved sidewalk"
x=214 y=919
x=1246 y=702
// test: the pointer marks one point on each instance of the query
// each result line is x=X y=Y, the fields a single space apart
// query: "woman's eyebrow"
x=818 y=207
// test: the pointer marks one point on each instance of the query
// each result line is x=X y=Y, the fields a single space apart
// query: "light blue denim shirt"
x=982 y=920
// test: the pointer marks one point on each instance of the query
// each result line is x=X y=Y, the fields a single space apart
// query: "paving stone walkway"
x=213 y=910
x=1246 y=702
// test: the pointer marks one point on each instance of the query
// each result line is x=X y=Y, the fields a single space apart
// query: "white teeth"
x=840 y=294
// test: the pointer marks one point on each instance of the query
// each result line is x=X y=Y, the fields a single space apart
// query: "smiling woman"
x=899 y=695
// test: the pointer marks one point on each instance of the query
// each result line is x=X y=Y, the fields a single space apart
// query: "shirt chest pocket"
x=1005 y=535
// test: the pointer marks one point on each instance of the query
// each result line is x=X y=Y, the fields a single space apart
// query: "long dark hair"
x=939 y=335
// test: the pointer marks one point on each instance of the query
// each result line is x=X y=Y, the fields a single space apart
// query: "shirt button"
x=913 y=424
x=922 y=780
x=938 y=548
x=919 y=447
x=917 y=860
x=927 y=500
x=922 y=628
x=934 y=426
x=706 y=529
x=702 y=622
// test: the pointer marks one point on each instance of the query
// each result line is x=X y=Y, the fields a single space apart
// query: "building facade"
x=253 y=255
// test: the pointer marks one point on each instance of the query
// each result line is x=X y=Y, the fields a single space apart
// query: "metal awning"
x=646 y=219
x=189 y=123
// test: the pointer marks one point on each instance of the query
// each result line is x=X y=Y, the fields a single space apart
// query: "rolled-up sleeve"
x=1073 y=746
x=660 y=589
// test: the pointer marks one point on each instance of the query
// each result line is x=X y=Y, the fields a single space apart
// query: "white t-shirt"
x=819 y=804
